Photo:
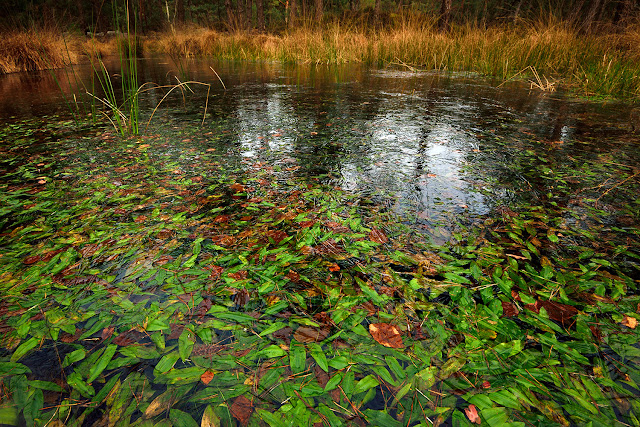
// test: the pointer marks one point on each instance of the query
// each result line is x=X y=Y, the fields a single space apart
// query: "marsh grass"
x=602 y=64
x=34 y=50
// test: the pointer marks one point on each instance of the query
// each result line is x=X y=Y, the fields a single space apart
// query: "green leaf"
x=24 y=348
x=297 y=358
x=102 y=363
x=318 y=355
x=365 y=384
x=271 y=351
x=333 y=382
x=166 y=363
x=73 y=357
x=11 y=368
x=75 y=380
x=185 y=343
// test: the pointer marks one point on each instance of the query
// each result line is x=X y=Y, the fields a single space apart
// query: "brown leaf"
x=206 y=377
x=378 y=236
x=283 y=334
x=337 y=227
x=140 y=219
x=596 y=332
x=277 y=236
x=293 y=276
x=222 y=218
x=203 y=307
x=307 y=334
x=306 y=224
x=630 y=322
x=238 y=275
x=386 y=334
x=241 y=297
x=68 y=338
x=216 y=271
x=559 y=312
x=509 y=309
x=107 y=332
x=321 y=376
x=31 y=259
x=472 y=414
x=237 y=188
x=163 y=260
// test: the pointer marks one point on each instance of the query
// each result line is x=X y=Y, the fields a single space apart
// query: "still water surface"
x=435 y=148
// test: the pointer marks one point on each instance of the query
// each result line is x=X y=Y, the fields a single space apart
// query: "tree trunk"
x=292 y=13
x=229 y=8
x=319 y=11
x=445 y=15
x=376 y=12
x=180 y=11
x=248 y=14
x=260 y=13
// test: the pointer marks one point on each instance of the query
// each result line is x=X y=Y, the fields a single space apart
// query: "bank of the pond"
x=551 y=55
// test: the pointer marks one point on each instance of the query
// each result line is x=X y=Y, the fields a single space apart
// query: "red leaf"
x=509 y=309
x=206 y=377
x=241 y=409
x=386 y=334
x=277 y=236
x=222 y=218
x=334 y=267
x=472 y=414
x=31 y=259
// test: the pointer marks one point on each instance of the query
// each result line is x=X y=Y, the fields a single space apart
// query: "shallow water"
x=436 y=148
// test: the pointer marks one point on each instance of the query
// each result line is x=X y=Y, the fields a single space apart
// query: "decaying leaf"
x=630 y=322
x=472 y=413
x=306 y=334
x=378 y=236
x=557 y=311
x=386 y=334
x=206 y=377
x=509 y=309
x=241 y=409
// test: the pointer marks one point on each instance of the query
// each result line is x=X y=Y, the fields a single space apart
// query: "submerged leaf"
x=386 y=334
x=241 y=409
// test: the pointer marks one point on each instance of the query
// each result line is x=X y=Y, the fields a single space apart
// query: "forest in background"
x=278 y=15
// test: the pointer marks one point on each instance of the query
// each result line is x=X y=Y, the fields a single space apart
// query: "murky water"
x=435 y=148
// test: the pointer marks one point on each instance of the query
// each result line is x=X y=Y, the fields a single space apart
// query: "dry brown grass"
x=597 y=64
x=34 y=50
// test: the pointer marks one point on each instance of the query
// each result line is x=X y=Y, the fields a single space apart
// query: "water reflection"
x=435 y=148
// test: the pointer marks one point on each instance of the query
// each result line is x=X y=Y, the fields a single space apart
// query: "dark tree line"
x=277 y=15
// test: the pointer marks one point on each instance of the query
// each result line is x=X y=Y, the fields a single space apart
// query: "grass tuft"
x=34 y=50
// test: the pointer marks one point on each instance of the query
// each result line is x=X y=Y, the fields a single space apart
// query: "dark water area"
x=436 y=148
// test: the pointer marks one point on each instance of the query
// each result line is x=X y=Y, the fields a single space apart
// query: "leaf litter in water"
x=224 y=294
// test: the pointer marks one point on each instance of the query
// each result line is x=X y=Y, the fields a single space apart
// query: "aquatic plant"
x=173 y=281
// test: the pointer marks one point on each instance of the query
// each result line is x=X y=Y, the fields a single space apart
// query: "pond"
x=238 y=260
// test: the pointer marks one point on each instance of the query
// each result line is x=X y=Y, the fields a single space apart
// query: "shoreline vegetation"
x=550 y=53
